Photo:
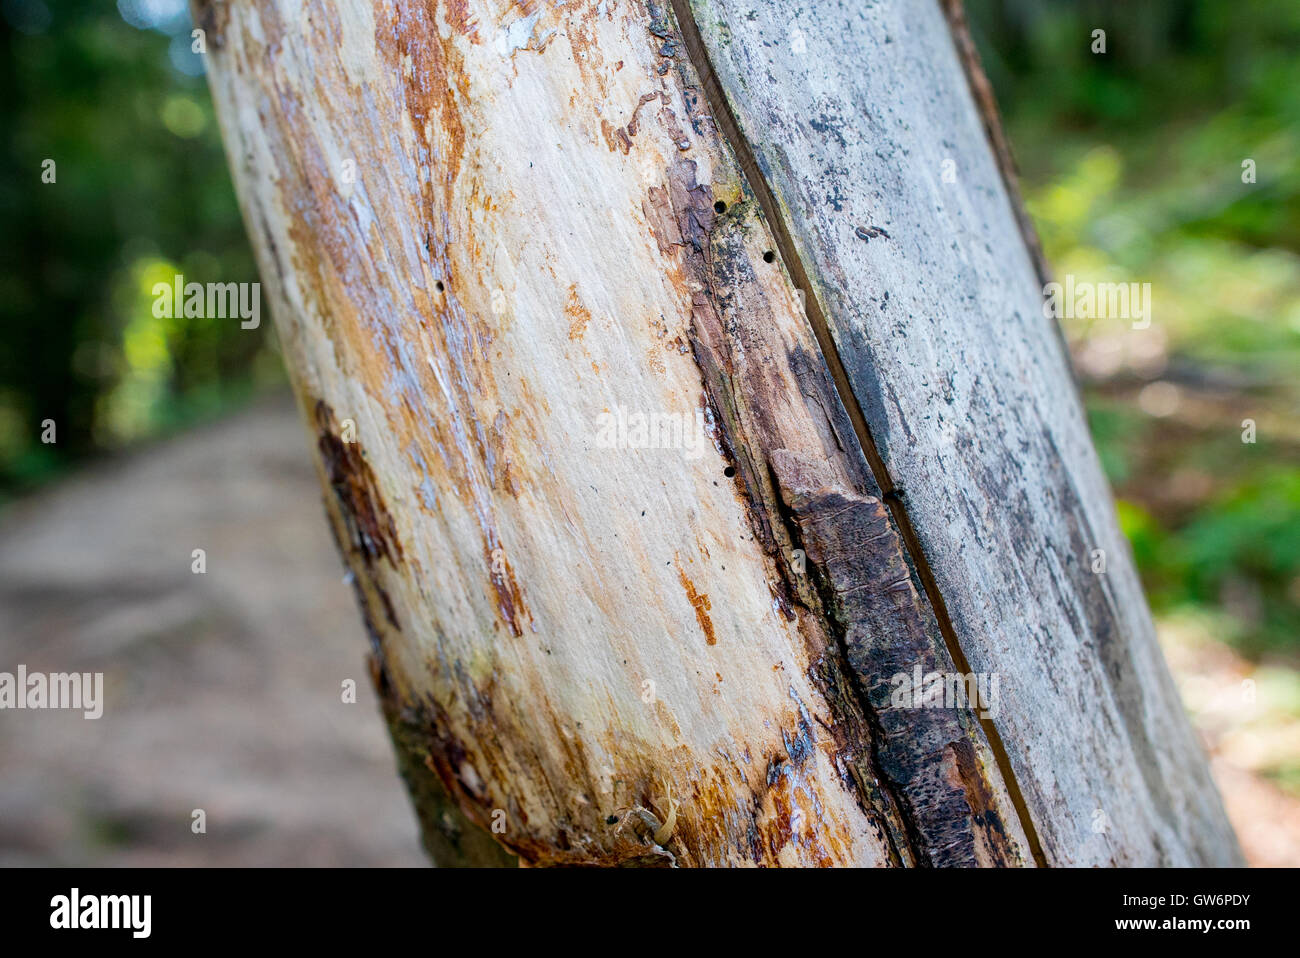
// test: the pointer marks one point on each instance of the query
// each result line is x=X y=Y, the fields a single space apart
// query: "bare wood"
x=482 y=229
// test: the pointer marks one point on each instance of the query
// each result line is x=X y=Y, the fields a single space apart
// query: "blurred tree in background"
x=1132 y=165
x=113 y=94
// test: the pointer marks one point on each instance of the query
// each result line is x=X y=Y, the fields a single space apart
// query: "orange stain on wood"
x=701 y=604
x=579 y=315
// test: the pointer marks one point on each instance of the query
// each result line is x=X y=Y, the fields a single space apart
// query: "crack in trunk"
x=729 y=130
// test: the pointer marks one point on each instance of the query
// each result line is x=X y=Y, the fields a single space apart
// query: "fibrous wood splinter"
x=665 y=831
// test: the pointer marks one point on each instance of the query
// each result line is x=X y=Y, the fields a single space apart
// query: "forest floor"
x=223 y=690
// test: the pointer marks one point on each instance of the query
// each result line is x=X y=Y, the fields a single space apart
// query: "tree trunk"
x=676 y=411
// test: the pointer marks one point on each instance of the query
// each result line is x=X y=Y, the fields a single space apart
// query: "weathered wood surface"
x=482 y=228
x=936 y=310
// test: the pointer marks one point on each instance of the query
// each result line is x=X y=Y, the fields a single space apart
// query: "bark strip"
x=901 y=738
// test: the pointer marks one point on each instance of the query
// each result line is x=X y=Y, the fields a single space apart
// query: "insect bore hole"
x=719 y=207
x=769 y=257
x=729 y=472
x=440 y=286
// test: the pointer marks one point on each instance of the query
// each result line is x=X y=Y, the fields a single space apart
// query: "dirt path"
x=223 y=690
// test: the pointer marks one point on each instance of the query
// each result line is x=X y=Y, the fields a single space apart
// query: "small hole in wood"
x=719 y=207
x=769 y=257
x=729 y=471
x=440 y=286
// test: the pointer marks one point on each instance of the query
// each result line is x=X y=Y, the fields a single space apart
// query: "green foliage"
x=1132 y=165
x=1243 y=549
x=141 y=189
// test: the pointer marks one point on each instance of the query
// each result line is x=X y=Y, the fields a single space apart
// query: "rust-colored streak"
x=399 y=339
x=510 y=601
x=434 y=81
x=701 y=605
x=579 y=315
x=460 y=19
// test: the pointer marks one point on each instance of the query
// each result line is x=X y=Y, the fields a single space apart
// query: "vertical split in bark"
x=884 y=604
